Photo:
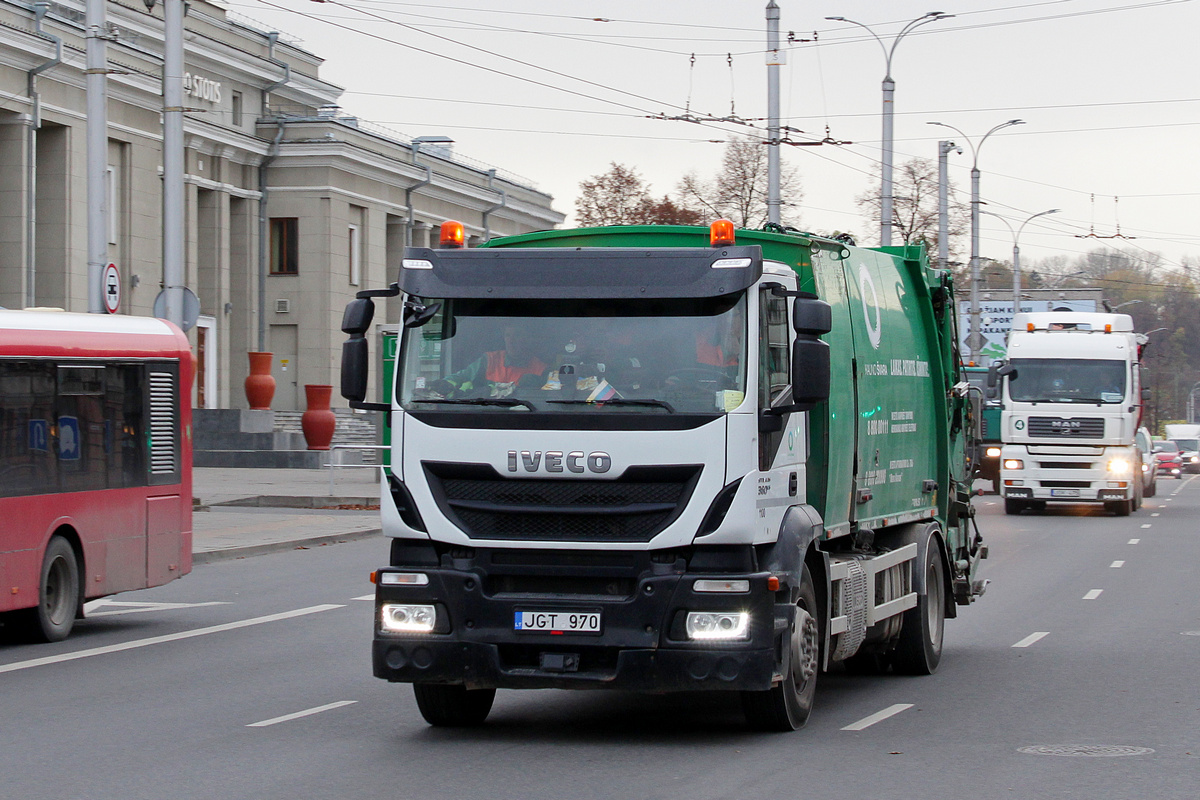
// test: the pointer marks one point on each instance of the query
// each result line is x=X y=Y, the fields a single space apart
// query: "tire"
x=1152 y=489
x=58 y=596
x=919 y=648
x=787 y=706
x=1013 y=507
x=453 y=706
x=1121 y=508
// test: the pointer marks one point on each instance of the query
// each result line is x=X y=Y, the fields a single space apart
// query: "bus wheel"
x=58 y=596
x=453 y=706
x=919 y=649
x=786 y=707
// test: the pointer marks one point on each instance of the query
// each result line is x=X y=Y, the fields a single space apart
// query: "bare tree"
x=915 y=206
x=621 y=197
x=739 y=190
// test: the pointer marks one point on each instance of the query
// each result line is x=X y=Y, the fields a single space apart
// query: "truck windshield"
x=1188 y=444
x=1067 y=380
x=654 y=356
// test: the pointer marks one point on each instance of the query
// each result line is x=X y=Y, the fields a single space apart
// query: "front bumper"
x=642 y=644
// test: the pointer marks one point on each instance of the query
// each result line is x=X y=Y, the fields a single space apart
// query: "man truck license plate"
x=557 y=621
x=1064 y=492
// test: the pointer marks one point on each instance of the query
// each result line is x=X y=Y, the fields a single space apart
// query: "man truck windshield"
x=595 y=356
x=1067 y=380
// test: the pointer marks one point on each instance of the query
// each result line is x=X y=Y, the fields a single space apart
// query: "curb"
x=233 y=553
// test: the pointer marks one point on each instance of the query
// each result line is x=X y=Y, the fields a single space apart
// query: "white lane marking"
x=1155 y=514
x=1032 y=638
x=170 y=637
x=878 y=716
x=1134 y=541
x=1147 y=525
x=992 y=503
x=1093 y=594
x=1116 y=565
x=306 y=713
x=364 y=597
x=91 y=609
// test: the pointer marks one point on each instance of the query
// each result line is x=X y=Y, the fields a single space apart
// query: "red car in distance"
x=1169 y=460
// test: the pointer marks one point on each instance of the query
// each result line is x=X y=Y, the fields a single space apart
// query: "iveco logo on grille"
x=558 y=461
x=1066 y=423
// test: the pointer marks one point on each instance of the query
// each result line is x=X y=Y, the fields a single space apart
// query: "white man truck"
x=716 y=460
x=1072 y=405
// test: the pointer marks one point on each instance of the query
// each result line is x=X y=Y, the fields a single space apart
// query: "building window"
x=235 y=116
x=354 y=254
x=285 y=245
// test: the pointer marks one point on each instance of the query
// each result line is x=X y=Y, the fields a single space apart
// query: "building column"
x=14 y=208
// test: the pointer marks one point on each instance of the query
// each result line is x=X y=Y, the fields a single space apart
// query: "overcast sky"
x=556 y=90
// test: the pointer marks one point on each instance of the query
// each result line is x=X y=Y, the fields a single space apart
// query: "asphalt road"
x=251 y=679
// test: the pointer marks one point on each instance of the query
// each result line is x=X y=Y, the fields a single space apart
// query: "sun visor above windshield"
x=606 y=272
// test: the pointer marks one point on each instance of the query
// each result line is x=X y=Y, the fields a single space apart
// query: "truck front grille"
x=632 y=508
x=1066 y=428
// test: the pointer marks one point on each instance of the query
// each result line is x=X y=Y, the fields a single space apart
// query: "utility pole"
x=173 y=167
x=975 y=338
x=886 y=189
x=97 y=152
x=944 y=150
x=774 y=59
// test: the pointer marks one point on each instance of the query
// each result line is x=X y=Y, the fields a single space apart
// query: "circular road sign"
x=112 y=288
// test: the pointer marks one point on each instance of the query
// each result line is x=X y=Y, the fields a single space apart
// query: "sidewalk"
x=280 y=509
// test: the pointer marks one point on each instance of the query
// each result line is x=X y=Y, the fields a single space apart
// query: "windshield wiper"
x=482 y=401
x=619 y=401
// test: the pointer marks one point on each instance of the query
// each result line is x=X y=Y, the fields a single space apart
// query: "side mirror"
x=1145 y=394
x=356 y=319
x=354 y=369
x=811 y=316
x=810 y=372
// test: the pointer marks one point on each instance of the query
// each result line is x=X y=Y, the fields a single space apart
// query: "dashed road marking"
x=308 y=712
x=1134 y=541
x=878 y=716
x=1032 y=638
x=170 y=637
x=1147 y=525
x=1116 y=565
x=1093 y=594
x=364 y=597
x=95 y=608
x=1155 y=514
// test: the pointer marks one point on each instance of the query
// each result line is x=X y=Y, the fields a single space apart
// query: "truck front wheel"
x=451 y=706
x=787 y=706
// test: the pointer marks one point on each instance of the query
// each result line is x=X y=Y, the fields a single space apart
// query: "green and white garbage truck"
x=668 y=458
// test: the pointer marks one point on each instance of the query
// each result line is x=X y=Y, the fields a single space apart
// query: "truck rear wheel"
x=919 y=649
x=452 y=706
x=786 y=707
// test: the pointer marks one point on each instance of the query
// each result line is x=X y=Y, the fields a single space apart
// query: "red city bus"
x=95 y=462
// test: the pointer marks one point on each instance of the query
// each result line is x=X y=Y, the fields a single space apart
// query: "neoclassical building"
x=283 y=190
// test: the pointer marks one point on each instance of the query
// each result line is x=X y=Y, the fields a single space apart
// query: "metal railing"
x=333 y=461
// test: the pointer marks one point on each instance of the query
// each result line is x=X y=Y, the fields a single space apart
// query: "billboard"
x=995 y=317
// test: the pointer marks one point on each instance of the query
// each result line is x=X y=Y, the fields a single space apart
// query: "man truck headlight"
x=992 y=452
x=718 y=625
x=1013 y=463
x=397 y=618
x=1119 y=466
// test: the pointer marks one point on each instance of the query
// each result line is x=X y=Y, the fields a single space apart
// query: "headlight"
x=1196 y=459
x=407 y=618
x=1119 y=466
x=992 y=452
x=1145 y=467
x=718 y=625
x=1014 y=463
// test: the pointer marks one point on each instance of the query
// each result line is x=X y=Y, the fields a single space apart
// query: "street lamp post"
x=1017 y=251
x=889 y=91
x=973 y=342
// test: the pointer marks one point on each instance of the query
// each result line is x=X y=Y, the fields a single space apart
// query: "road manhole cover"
x=1092 y=750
